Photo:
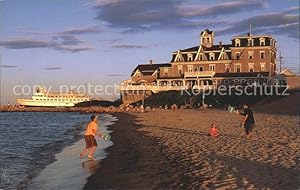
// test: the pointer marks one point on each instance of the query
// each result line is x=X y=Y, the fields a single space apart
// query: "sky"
x=100 y=42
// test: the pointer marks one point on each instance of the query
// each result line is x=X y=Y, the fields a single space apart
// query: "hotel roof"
x=149 y=69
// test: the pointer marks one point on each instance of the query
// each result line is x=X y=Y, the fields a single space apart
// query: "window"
x=237 y=42
x=179 y=59
x=223 y=56
x=262 y=54
x=237 y=68
x=201 y=58
x=166 y=70
x=201 y=68
x=237 y=55
x=212 y=67
x=207 y=40
x=179 y=68
x=211 y=56
x=250 y=42
x=262 y=67
x=262 y=41
x=227 y=68
x=271 y=42
x=190 y=57
x=250 y=54
x=251 y=67
x=190 y=68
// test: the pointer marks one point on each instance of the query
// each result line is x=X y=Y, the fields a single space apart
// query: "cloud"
x=104 y=2
x=72 y=49
x=8 y=66
x=53 y=68
x=220 y=9
x=23 y=43
x=125 y=46
x=145 y=15
x=275 y=23
x=111 y=41
x=82 y=30
x=209 y=23
x=292 y=10
x=115 y=75
x=66 y=39
x=64 y=43
x=290 y=30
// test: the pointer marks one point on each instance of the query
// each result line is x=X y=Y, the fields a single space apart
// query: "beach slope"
x=171 y=150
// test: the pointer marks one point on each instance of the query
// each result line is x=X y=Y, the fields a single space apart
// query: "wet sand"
x=171 y=150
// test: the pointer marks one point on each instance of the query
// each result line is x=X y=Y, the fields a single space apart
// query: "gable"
x=223 y=53
x=200 y=50
x=287 y=73
x=179 y=57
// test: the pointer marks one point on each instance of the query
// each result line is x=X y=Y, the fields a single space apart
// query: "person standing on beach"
x=248 y=120
x=89 y=137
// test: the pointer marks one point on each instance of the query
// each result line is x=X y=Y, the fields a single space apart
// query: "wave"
x=45 y=154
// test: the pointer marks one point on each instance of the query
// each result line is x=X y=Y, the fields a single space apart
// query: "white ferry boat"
x=42 y=98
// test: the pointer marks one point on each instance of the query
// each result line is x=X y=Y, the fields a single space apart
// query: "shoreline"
x=91 y=109
x=64 y=161
x=173 y=151
x=69 y=170
x=128 y=164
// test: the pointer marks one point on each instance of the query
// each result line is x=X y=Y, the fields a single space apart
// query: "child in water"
x=213 y=130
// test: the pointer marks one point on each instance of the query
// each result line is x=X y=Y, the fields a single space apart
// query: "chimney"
x=151 y=61
x=220 y=44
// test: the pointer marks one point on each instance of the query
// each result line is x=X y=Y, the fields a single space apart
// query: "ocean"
x=33 y=142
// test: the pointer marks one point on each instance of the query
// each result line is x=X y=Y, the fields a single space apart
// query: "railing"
x=199 y=74
x=156 y=89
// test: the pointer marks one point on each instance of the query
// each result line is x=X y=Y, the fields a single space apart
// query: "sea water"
x=32 y=142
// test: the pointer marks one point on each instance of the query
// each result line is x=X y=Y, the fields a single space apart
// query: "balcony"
x=199 y=74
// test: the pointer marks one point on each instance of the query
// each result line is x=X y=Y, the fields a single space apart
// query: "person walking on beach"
x=89 y=137
x=248 y=120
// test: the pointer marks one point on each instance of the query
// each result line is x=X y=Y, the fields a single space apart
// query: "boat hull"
x=34 y=103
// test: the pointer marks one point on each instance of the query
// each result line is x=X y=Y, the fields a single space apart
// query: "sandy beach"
x=163 y=149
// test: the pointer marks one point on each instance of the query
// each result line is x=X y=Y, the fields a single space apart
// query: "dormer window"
x=201 y=58
x=223 y=56
x=190 y=57
x=237 y=42
x=262 y=42
x=250 y=42
x=179 y=59
x=211 y=56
